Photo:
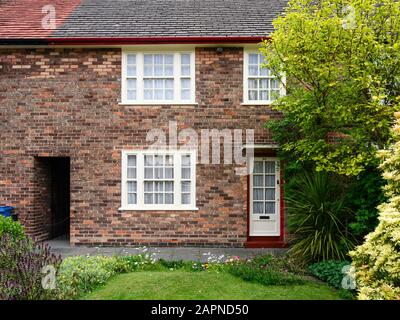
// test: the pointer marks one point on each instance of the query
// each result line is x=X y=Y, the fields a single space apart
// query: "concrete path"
x=63 y=248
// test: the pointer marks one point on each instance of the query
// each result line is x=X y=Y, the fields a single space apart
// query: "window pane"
x=264 y=72
x=148 y=160
x=169 y=186
x=131 y=186
x=158 y=59
x=158 y=71
x=185 y=198
x=253 y=84
x=169 y=198
x=185 y=186
x=185 y=58
x=159 y=198
x=131 y=95
x=185 y=94
x=169 y=173
x=159 y=186
x=186 y=160
x=270 y=207
x=258 y=194
x=168 y=59
x=132 y=198
x=274 y=83
x=158 y=160
x=185 y=83
x=185 y=71
x=148 y=71
x=131 y=72
x=169 y=95
x=253 y=58
x=258 y=181
x=253 y=70
x=258 y=207
x=148 y=173
x=158 y=94
x=270 y=181
x=148 y=94
x=264 y=95
x=169 y=160
x=264 y=83
x=270 y=167
x=158 y=84
x=131 y=173
x=269 y=194
x=148 y=59
x=169 y=71
x=185 y=173
x=169 y=84
x=148 y=185
x=258 y=167
x=252 y=95
x=131 y=84
x=158 y=173
x=148 y=198
x=131 y=161
x=131 y=59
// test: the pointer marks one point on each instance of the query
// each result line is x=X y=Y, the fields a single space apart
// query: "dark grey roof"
x=171 y=18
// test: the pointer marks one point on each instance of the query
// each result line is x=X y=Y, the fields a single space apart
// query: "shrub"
x=364 y=194
x=267 y=270
x=80 y=274
x=140 y=262
x=377 y=261
x=329 y=271
x=11 y=227
x=178 y=265
x=285 y=263
x=21 y=264
x=266 y=276
x=317 y=215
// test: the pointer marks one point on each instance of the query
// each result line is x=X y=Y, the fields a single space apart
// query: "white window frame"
x=140 y=75
x=282 y=82
x=140 y=205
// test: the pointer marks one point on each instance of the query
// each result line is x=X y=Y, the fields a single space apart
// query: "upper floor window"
x=260 y=86
x=158 y=77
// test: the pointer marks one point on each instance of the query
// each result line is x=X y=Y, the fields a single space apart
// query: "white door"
x=265 y=197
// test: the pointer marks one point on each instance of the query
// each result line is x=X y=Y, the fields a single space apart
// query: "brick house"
x=80 y=94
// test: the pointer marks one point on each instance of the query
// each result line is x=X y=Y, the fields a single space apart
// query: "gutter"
x=130 y=41
x=23 y=42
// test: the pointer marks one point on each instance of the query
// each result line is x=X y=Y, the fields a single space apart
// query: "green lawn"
x=202 y=285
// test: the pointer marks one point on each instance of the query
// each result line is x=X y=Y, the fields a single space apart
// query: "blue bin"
x=6 y=211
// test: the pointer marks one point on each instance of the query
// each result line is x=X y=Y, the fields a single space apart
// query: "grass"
x=181 y=285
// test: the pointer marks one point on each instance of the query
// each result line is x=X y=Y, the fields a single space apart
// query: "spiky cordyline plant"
x=317 y=214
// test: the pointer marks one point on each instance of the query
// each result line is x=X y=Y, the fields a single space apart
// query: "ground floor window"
x=158 y=180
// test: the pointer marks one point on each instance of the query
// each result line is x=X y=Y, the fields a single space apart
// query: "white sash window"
x=158 y=77
x=158 y=180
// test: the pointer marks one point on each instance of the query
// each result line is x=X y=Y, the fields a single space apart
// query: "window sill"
x=158 y=209
x=158 y=103
x=257 y=103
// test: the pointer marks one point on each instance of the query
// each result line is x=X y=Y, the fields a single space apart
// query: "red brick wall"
x=64 y=102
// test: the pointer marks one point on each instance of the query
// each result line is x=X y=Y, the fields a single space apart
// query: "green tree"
x=377 y=261
x=341 y=59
